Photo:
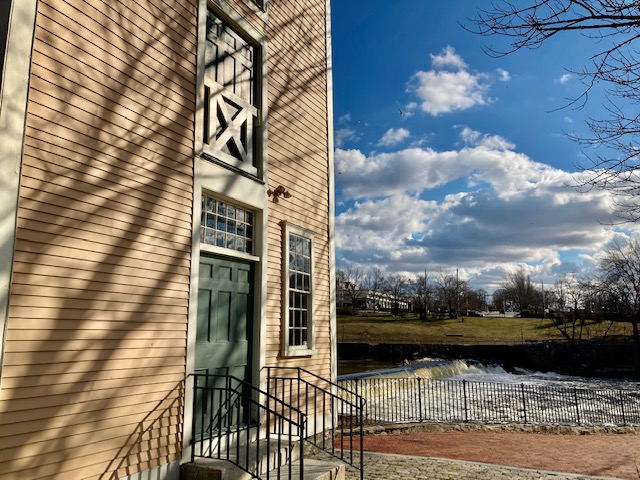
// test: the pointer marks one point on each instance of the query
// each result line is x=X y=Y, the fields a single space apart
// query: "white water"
x=434 y=390
x=495 y=373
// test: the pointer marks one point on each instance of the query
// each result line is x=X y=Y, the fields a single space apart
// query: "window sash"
x=226 y=225
x=297 y=290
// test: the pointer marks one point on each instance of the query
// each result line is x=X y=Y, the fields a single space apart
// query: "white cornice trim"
x=13 y=114
x=332 y=245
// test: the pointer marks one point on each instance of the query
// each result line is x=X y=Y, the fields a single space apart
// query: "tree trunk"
x=636 y=343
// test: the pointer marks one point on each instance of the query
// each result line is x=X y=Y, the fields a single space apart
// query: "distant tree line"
x=432 y=294
x=611 y=293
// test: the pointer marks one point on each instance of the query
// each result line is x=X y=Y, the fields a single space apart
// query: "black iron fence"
x=338 y=412
x=400 y=400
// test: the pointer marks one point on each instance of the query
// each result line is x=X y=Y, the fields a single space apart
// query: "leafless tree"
x=614 y=26
x=620 y=281
x=374 y=281
x=351 y=278
x=571 y=291
x=424 y=291
x=519 y=289
x=448 y=288
x=396 y=288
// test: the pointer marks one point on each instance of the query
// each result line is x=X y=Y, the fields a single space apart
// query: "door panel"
x=223 y=336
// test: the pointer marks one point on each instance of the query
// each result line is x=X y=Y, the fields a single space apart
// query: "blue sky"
x=449 y=159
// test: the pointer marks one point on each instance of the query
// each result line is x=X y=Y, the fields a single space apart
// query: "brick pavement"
x=481 y=452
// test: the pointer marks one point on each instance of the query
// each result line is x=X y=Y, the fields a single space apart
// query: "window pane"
x=220 y=217
x=220 y=239
x=299 y=295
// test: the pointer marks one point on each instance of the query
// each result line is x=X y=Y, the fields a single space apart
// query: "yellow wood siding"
x=298 y=159
x=92 y=379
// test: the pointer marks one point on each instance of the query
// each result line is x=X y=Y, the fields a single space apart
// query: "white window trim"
x=296 y=350
x=211 y=177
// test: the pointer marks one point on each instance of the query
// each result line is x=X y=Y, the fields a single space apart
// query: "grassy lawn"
x=464 y=330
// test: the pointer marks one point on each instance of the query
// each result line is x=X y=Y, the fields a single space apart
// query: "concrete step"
x=214 y=469
x=211 y=469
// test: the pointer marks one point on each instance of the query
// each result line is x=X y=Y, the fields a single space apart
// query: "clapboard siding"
x=140 y=164
x=111 y=37
x=96 y=337
x=117 y=366
x=298 y=159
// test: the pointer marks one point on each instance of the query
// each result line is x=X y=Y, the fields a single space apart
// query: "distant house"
x=367 y=299
x=166 y=205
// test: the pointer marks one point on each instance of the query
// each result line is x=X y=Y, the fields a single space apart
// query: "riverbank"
x=383 y=328
x=589 y=358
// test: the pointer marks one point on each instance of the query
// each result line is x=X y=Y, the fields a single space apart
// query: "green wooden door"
x=223 y=336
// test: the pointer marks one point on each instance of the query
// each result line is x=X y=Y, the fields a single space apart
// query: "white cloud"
x=565 y=78
x=344 y=135
x=448 y=58
x=448 y=86
x=393 y=137
x=476 y=139
x=344 y=119
x=513 y=210
x=504 y=76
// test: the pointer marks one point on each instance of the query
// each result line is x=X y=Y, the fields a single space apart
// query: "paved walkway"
x=380 y=466
x=490 y=454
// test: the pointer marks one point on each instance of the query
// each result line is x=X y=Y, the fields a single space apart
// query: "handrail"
x=227 y=410
x=346 y=411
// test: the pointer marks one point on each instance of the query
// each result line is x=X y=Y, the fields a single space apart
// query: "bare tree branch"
x=615 y=25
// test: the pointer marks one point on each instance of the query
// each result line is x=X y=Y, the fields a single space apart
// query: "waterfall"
x=392 y=378
x=426 y=368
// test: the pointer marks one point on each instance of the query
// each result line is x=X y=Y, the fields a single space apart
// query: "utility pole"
x=457 y=292
x=544 y=310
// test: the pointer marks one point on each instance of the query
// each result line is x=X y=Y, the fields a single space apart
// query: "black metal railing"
x=246 y=426
x=338 y=411
x=400 y=400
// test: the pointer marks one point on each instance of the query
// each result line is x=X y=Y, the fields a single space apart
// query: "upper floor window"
x=298 y=291
x=225 y=225
x=231 y=109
